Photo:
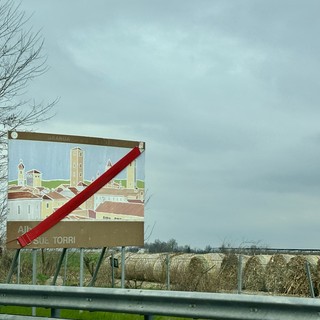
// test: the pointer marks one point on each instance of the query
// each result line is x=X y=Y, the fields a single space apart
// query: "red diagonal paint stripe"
x=81 y=197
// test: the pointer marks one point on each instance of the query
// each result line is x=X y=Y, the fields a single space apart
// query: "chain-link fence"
x=275 y=274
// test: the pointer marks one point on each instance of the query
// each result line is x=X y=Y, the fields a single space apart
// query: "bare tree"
x=21 y=61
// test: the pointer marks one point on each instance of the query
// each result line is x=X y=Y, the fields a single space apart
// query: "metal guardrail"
x=165 y=303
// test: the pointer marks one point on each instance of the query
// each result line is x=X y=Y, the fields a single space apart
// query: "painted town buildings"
x=28 y=199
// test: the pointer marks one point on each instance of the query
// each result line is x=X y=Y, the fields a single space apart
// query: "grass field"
x=78 y=314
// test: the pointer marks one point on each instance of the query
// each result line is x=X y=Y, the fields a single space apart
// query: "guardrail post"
x=55 y=313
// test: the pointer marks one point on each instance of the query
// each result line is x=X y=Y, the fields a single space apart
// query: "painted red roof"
x=22 y=195
x=33 y=171
x=120 y=192
x=82 y=184
x=131 y=209
x=53 y=195
x=73 y=190
x=135 y=201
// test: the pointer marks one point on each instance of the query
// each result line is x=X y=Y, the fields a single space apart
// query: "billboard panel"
x=47 y=170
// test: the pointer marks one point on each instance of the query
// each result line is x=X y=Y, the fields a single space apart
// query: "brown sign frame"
x=78 y=234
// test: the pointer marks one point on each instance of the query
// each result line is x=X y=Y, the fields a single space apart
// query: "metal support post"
x=168 y=271
x=310 y=279
x=34 y=275
x=95 y=274
x=123 y=268
x=240 y=274
x=13 y=265
x=18 y=267
x=81 y=268
x=63 y=253
x=65 y=269
x=112 y=269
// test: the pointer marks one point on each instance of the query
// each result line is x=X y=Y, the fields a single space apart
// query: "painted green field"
x=52 y=184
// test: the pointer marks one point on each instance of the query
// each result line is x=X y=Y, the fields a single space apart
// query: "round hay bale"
x=254 y=273
x=151 y=267
x=188 y=272
x=179 y=265
x=214 y=261
x=130 y=266
x=317 y=278
x=276 y=273
x=228 y=274
x=296 y=281
x=160 y=268
x=140 y=266
x=143 y=266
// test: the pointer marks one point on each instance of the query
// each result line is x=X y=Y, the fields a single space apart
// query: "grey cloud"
x=225 y=93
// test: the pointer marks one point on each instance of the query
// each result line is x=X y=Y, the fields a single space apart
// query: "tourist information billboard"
x=47 y=172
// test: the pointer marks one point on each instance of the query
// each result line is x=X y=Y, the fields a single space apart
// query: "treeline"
x=159 y=246
x=172 y=245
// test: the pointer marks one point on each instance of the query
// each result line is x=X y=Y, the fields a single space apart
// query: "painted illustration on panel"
x=44 y=175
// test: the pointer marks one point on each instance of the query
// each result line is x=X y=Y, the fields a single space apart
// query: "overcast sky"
x=224 y=93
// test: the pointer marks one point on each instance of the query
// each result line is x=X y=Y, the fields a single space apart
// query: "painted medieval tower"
x=76 y=166
x=131 y=175
x=34 y=178
x=21 y=181
x=31 y=178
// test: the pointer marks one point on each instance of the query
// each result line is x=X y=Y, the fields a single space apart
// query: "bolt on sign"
x=74 y=192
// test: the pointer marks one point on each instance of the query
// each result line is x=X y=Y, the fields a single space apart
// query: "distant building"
x=131 y=175
x=24 y=205
x=21 y=177
x=76 y=166
x=51 y=202
x=34 y=178
x=117 y=195
x=120 y=211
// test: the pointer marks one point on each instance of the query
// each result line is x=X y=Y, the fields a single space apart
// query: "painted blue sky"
x=52 y=159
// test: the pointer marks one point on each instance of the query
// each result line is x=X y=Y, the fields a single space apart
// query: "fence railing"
x=164 y=303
